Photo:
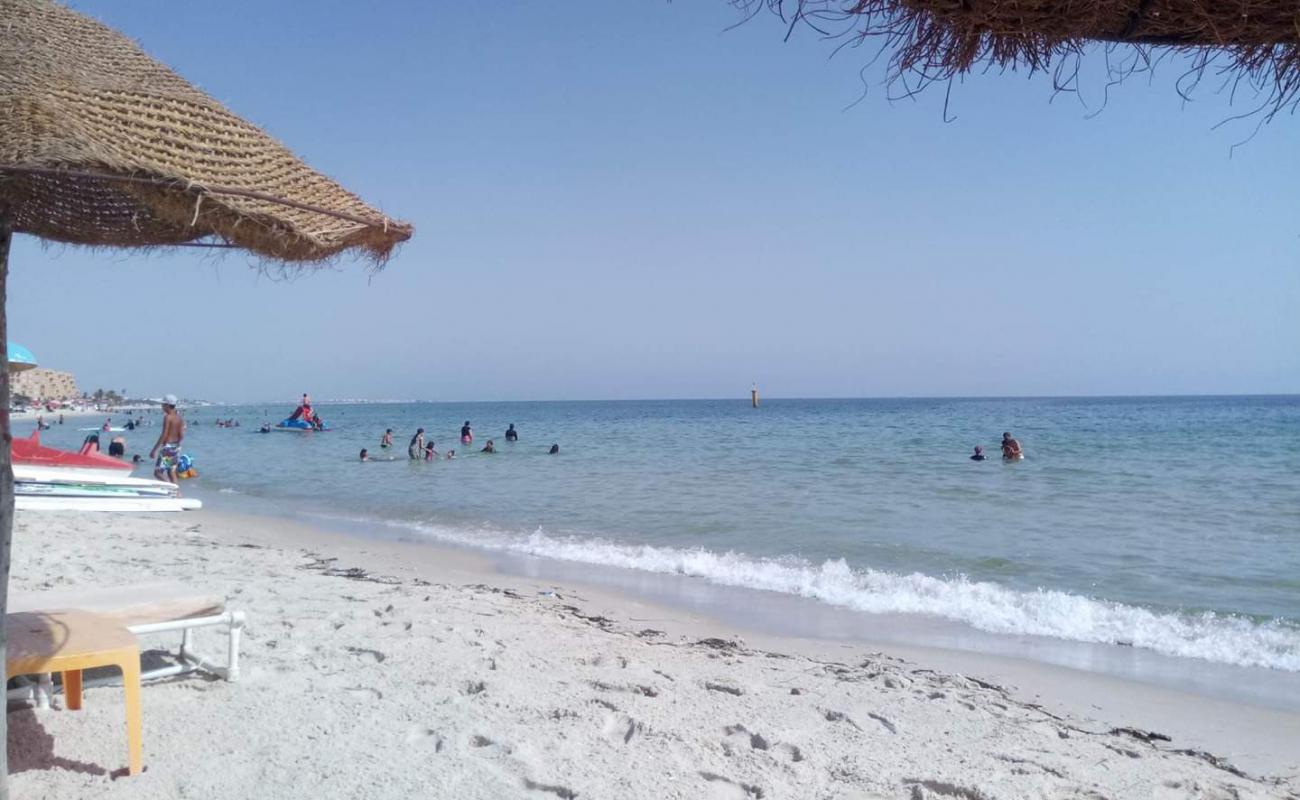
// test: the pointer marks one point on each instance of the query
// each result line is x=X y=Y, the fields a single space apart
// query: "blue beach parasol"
x=20 y=358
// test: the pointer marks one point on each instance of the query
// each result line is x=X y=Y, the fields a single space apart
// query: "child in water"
x=365 y=454
x=429 y=453
x=489 y=447
x=451 y=454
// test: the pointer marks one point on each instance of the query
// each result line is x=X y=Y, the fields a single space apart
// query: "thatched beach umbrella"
x=1257 y=41
x=101 y=145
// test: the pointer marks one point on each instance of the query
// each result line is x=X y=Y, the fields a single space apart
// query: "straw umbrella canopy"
x=1252 y=41
x=102 y=145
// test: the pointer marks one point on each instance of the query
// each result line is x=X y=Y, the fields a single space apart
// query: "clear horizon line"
x=746 y=398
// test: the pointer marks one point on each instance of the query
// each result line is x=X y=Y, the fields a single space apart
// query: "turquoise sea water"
x=1169 y=524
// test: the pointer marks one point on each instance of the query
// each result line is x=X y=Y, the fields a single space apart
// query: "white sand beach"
x=392 y=670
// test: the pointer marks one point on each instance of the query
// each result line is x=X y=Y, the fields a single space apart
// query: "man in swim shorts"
x=303 y=410
x=167 y=449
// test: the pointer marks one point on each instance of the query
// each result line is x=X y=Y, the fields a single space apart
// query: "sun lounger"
x=145 y=609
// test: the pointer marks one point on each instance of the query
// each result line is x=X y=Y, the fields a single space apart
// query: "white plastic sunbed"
x=148 y=608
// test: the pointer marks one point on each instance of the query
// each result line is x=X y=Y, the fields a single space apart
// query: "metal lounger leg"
x=232 y=646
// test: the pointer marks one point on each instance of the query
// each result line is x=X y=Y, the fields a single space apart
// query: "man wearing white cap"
x=168 y=447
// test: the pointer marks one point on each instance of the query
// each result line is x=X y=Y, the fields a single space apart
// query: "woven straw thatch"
x=1255 y=41
x=102 y=145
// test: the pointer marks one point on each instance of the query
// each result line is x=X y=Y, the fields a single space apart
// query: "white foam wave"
x=986 y=606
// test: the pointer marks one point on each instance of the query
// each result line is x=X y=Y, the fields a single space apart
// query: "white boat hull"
x=84 y=473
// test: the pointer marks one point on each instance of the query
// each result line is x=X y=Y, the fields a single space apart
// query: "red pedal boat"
x=30 y=451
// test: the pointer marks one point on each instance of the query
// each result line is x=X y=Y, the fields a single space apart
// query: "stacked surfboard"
x=38 y=488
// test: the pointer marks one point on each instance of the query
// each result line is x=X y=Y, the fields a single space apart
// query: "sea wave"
x=986 y=606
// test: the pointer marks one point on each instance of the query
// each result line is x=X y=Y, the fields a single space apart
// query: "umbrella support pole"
x=6 y=480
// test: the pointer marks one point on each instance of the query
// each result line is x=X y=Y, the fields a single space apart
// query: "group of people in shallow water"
x=1011 y=450
x=420 y=449
x=130 y=424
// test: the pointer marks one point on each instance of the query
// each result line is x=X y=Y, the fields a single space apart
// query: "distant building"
x=44 y=384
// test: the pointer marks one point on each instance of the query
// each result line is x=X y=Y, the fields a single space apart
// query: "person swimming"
x=979 y=454
x=416 y=448
x=1011 y=448
x=490 y=447
x=466 y=433
x=451 y=454
x=365 y=454
x=512 y=435
x=554 y=451
x=387 y=439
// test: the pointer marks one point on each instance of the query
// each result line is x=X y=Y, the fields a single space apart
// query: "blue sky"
x=624 y=200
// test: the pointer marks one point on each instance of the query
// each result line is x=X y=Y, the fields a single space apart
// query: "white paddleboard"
x=87 y=490
x=31 y=503
x=64 y=482
x=29 y=472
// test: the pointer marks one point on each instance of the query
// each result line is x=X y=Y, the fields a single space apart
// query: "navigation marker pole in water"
x=753 y=396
